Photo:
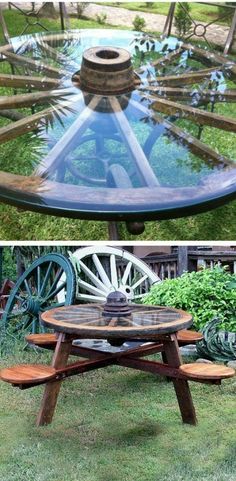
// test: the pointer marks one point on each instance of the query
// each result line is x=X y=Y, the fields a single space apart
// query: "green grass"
x=203 y=13
x=117 y=424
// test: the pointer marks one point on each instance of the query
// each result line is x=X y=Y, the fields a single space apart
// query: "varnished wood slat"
x=41 y=339
x=31 y=122
x=27 y=124
x=212 y=57
x=206 y=371
x=27 y=373
x=36 y=65
x=197 y=115
x=195 y=146
x=163 y=61
x=29 y=99
x=26 y=81
x=54 y=54
x=206 y=95
x=148 y=176
x=185 y=336
x=187 y=78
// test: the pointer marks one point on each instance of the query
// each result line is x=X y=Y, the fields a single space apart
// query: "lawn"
x=19 y=225
x=119 y=425
x=201 y=12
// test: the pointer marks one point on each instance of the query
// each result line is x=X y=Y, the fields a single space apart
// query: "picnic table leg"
x=184 y=397
x=52 y=389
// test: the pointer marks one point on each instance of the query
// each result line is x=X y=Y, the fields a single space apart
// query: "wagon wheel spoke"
x=139 y=282
x=55 y=55
x=197 y=115
x=36 y=65
x=227 y=95
x=53 y=293
x=187 y=78
x=162 y=61
x=132 y=144
x=63 y=146
x=34 y=121
x=126 y=273
x=101 y=271
x=94 y=279
x=21 y=81
x=195 y=146
x=30 y=99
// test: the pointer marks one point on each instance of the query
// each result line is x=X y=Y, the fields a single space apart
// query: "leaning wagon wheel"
x=104 y=269
x=48 y=282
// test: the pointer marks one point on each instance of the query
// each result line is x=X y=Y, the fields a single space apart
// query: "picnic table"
x=116 y=125
x=155 y=329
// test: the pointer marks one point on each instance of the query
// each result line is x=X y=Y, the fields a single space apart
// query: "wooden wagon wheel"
x=122 y=117
x=104 y=269
x=48 y=282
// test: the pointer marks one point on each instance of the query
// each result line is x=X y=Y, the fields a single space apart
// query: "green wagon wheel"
x=49 y=282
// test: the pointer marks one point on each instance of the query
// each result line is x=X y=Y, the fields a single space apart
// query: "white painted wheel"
x=104 y=269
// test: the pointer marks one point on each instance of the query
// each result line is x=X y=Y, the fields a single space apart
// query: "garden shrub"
x=101 y=18
x=206 y=294
x=182 y=19
x=139 y=23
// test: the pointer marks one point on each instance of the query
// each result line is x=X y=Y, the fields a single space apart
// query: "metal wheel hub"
x=106 y=70
x=32 y=306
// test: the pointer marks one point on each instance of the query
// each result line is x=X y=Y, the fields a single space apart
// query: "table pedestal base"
x=131 y=358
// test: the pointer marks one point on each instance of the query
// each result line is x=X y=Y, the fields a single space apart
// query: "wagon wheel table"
x=116 y=321
x=120 y=126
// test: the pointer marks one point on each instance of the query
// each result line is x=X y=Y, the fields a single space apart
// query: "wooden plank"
x=206 y=95
x=27 y=100
x=197 y=115
x=132 y=144
x=195 y=146
x=63 y=146
x=36 y=65
x=187 y=78
x=26 y=81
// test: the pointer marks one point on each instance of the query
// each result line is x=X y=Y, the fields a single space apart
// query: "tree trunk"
x=48 y=10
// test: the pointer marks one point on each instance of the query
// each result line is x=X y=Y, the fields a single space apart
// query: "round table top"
x=88 y=321
x=78 y=152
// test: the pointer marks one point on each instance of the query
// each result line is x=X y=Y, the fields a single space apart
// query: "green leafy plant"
x=139 y=23
x=206 y=294
x=182 y=19
x=101 y=18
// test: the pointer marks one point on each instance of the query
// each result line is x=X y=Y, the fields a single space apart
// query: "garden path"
x=118 y=16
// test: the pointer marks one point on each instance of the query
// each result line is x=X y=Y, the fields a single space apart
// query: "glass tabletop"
x=105 y=124
x=89 y=321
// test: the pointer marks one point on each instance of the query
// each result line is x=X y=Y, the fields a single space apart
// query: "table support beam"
x=181 y=386
x=52 y=389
